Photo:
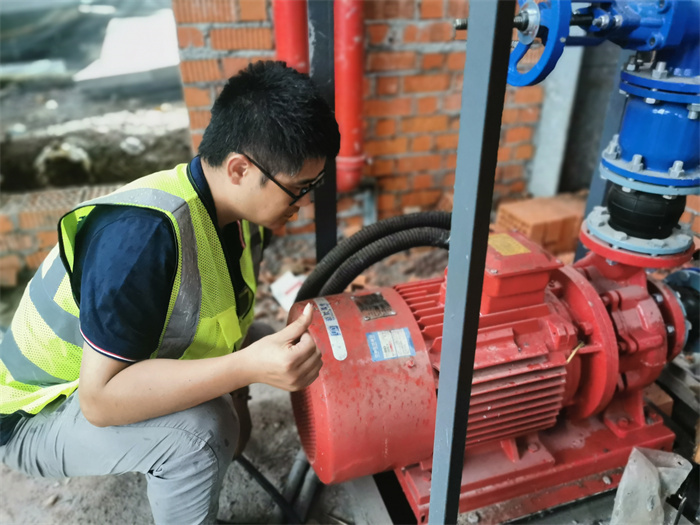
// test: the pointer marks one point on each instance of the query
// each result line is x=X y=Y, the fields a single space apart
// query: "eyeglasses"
x=318 y=181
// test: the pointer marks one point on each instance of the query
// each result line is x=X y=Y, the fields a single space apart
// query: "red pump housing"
x=562 y=356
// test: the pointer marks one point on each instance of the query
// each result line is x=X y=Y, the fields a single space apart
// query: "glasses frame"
x=318 y=181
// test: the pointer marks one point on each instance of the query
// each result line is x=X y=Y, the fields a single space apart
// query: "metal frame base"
x=516 y=478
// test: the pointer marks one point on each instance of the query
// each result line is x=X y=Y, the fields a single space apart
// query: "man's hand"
x=289 y=358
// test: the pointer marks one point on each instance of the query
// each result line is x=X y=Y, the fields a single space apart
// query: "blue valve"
x=548 y=20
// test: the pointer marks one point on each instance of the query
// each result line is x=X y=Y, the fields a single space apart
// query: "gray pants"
x=183 y=455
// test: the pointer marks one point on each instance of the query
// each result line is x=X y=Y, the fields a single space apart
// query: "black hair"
x=274 y=114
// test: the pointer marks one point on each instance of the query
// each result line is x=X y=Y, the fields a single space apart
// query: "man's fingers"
x=293 y=331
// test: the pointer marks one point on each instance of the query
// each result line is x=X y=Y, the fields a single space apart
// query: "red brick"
x=395 y=106
x=386 y=202
x=345 y=204
x=199 y=119
x=452 y=102
x=457 y=82
x=424 y=124
x=388 y=9
x=517 y=186
x=232 y=65
x=423 y=181
x=366 y=87
x=509 y=172
x=384 y=128
x=448 y=180
x=451 y=161
x=196 y=97
x=196 y=141
x=298 y=230
x=518 y=134
x=382 y=167
x=427 y=105
x=200 y=71
x=530 y=114
x=529 y=95
x=437 y=32
x=423 y=83
x=386 y=214
x=503 y=154
x=15 y=242
x=419 y=163
x=524 y=152
x=432 y=9
x=202 y=11
x=509 y=116
x=457 y=9
x=421 y=143
x=190 y=37
x=448 y=141
x=386 y=147
x=377 y=33
x=5 y=224
x=387 y=86
x=241 y=38
x=399 y=183
x=420 y=198
x=10 y=261
x=454 y=124
x=8 y=277
x=47 y=239
x=252 y=10
x=391 y=61
x=41 y=220
x=34 y=260
x=433 y=61
x=455 y=61
x=693 y=202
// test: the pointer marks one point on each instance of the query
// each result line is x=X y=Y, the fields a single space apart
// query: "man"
x=129 y=339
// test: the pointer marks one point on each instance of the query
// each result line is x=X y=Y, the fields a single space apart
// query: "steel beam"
x=322 y=71
x=485 y=73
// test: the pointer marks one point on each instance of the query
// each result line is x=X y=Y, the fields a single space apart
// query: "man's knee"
x=209 y=431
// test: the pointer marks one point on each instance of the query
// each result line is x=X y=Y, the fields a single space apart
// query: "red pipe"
x=349 y=73
x=292 y=33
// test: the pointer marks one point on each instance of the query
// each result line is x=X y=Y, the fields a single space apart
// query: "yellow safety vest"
x=40 y=354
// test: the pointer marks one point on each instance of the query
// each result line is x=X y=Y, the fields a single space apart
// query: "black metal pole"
x=321 y=54
x=485 y=73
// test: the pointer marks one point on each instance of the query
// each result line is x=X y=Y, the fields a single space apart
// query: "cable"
x=289 y=512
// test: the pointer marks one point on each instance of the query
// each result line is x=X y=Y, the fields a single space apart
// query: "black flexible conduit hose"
x=380 y=249
x=327 y=266
x=289 y=512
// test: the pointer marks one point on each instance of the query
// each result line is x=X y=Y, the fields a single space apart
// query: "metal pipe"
x=292 y=33
x=349 y=72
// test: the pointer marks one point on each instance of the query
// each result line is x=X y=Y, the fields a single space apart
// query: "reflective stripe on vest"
x=179 y=332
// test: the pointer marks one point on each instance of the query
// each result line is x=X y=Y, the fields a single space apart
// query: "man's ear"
x=237 y=167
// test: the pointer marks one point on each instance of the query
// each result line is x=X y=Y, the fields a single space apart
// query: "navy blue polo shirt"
x=125 y=265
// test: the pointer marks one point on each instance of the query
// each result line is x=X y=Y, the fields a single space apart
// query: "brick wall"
x=412 y=90
x=28 y=226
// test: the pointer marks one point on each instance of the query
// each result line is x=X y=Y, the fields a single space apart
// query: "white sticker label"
x=390 y=344
x=340 y=352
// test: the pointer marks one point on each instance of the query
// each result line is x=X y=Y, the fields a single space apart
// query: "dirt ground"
x=272 y=448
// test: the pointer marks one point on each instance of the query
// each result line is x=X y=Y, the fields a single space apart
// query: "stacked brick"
x=412 y=91
x=28 y=226
x=552 y=222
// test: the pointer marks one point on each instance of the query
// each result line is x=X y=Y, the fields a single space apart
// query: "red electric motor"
x=562 y=356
